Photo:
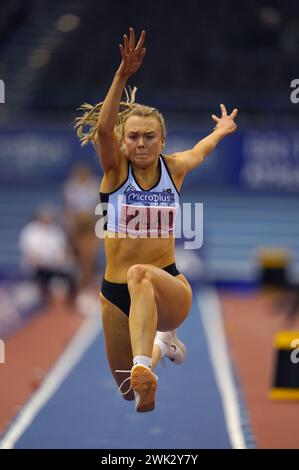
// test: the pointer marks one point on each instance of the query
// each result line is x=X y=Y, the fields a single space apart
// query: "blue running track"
x=86 y=411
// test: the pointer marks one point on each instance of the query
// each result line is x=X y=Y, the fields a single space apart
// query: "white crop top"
x=145 y=213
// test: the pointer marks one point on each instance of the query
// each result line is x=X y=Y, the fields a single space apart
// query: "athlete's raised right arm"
x=132 y=58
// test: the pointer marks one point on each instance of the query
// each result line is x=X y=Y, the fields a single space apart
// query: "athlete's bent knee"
x=138 y=273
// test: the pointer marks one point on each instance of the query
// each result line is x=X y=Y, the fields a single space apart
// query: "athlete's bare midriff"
x=122 y=253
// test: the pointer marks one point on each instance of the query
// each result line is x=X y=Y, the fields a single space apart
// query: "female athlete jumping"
x=143 y=296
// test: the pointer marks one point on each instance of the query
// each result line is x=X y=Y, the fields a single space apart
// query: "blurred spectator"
x=45 y=254
x=81 y=195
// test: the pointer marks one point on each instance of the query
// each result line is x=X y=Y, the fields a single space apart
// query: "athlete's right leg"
x=118 y=344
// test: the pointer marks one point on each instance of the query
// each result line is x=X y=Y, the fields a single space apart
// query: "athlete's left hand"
x=225 y=124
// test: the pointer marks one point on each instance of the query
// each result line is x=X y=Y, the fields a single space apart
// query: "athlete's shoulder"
x=173 y=167
x=174 y=163
x=170 y=159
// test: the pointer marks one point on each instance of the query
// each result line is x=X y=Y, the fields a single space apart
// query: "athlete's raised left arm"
x=190 y=159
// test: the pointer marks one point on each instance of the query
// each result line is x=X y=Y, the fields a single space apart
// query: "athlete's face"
x=142 y=140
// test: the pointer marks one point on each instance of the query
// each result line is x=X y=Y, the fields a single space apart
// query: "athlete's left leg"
x=159 y=301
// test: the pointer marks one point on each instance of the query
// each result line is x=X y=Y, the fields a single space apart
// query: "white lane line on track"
x=210 y=314
x=63 y=367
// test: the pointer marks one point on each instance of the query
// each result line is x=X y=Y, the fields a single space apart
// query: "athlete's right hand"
x=132 y=56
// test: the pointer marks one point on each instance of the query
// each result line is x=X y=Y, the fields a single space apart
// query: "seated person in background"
x=46 y=255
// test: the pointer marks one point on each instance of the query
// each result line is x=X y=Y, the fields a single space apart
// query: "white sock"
x=144 y=360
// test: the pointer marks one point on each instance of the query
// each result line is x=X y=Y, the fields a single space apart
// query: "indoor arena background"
x=239 y=387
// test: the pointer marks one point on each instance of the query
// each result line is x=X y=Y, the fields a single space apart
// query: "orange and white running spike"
x=144 y=384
